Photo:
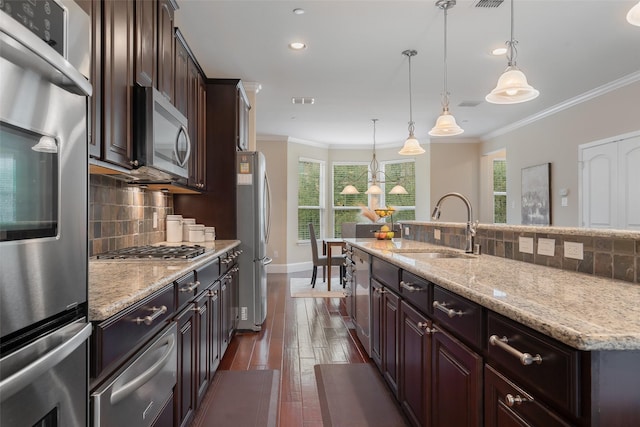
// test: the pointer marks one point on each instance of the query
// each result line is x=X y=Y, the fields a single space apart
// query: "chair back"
x=314 y=244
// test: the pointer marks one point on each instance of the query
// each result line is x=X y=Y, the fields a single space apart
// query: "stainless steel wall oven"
x=44 y=58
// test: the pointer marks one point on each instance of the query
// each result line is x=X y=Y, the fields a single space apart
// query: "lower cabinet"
x=185 y=393
x=385 y=318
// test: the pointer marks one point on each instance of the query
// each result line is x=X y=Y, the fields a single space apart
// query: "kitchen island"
x=531 y=343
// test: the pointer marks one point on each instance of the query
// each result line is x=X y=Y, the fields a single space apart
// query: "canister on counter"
x=186 y=222
x=174 y=228
x=209 y=234
x=196 y=233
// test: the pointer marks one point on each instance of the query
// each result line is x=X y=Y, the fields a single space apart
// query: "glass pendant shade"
x=446 y=125
x=398 y=189
x=349 y=189
x=512 y=88
x=633 y=17
x=46 y=144
x=374 y=189
x=411 y=147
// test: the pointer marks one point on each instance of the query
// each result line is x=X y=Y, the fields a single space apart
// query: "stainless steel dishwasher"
x=136 y=393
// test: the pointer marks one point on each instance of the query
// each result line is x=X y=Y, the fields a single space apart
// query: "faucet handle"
x=474 y=226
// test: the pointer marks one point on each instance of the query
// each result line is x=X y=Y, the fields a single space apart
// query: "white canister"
x=209 y=234
x=186 y=222
x=196 y=233
x=174 y=228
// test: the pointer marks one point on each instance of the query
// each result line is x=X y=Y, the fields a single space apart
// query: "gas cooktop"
x=154 y=252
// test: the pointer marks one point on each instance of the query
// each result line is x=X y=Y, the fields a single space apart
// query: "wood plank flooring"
x=298 y=334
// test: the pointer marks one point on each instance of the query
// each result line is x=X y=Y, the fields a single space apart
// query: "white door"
x=611 y=184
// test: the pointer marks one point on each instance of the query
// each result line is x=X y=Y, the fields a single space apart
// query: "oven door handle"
x=133 y=385
x=27 y=50
x=27 y=375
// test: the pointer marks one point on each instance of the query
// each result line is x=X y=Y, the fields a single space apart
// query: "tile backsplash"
x=121 y=215
x=607 y=253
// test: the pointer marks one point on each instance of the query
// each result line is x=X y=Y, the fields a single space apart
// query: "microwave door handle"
x=27 y=375
x=183 y=130
x=23 y=46
x=141 y=379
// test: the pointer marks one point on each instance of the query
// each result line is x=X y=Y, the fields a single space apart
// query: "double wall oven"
x=44 y=58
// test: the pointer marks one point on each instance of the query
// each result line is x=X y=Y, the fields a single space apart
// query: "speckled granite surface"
x=583 y=311
x=117 y=284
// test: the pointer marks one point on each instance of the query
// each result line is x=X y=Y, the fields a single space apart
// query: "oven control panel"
x=45 y=18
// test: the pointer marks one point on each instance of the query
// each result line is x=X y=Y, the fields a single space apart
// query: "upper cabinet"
x=146 y=43
x=166 y=9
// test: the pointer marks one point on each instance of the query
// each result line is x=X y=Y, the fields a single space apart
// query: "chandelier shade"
x=633 y=16
x=411 y=146
x=446 y=125
x=512 y=87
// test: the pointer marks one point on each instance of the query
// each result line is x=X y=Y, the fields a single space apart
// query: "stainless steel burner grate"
x=154 y=252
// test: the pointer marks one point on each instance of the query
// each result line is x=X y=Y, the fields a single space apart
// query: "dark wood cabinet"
x=203 y=306
x=166 y=9
x=415 y=365
x=214 y=330
x=117 y=77
x=226 y=313
x=456 y=383
x=216 y=206
x=181 y=75
x=390 y=337
x=376 y=322
x=94 y=8
x=146 y=45
x=185 y=391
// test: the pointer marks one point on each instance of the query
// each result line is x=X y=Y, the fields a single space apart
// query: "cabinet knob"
x=511 y=400
x=134 y=163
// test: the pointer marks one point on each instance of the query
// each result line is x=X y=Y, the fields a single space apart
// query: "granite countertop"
x=115 y=285
x=583 y=311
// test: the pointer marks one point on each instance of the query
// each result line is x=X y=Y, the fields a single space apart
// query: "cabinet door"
x=166 y=9
x=146 y=43
x=415 y=365
x=390 y=335
x=214 y=328
x=203 y=313
x=376 y=322
x=226 y=313
x=456 y=383
x=118 y=19
x=507 y=405
x=181 y=78
x=194 y=104
x=185 y=393
x=235 y=298
x=95 y=101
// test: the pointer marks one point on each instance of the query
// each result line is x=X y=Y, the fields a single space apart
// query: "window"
x=346 y=208
x=499 y=191
x=310 y=196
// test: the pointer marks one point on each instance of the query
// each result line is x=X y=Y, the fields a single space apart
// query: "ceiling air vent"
x=303 y=100
x=489 y=3
x=469 y=103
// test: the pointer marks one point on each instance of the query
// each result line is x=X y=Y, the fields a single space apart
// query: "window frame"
x=321 y=207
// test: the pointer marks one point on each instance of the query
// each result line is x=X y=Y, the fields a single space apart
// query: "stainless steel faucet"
x=471 y=226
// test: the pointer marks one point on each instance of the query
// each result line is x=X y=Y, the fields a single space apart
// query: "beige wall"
x=555 y=139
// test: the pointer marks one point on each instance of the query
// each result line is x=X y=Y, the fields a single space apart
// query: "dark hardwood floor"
x=297 y=334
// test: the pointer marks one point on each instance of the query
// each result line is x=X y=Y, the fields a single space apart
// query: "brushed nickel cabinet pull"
x=190 y=286
x=411 y=287
x=147 y=320
x=448 y=311
x=510 y=400
x=525 y=358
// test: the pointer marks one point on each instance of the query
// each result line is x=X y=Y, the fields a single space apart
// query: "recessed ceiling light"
x=297 y=46
x=499 y=51
x=298 y=11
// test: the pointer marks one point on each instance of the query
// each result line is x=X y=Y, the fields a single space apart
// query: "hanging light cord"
x=445 y=93
x=512 y=52
x=409 y=54
x=374 y=162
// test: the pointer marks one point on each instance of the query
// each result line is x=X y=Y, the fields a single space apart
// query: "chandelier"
x=376 y=175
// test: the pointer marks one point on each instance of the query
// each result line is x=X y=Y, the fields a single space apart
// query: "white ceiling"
x=354 y=68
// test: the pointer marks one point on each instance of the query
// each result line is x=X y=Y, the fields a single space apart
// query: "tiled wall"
x=607 y=253
x=121 y=215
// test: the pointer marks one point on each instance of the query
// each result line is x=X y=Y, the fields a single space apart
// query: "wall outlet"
x=436 y=234
x=155 y=220
x=573 y=250
x=564 y=202
x=276 y=254
x=525 y=245
x=244 y=313
x=547 y=247
x=406 y=231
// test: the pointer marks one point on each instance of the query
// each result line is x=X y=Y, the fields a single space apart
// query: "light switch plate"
x=407 y=230
x=573 y=250
x=546 y=247
x=436 y=234
x=525 y=245
x=155 y=220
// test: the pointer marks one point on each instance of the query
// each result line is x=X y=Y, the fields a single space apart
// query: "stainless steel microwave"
x=161 y=137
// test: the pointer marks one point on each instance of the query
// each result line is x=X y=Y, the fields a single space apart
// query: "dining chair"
x=321 y=260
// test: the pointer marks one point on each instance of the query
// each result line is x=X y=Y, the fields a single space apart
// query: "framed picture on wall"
x=536 y=200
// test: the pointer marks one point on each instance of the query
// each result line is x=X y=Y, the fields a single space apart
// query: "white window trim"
x=322 y=196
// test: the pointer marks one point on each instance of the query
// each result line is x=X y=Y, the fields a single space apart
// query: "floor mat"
x=241 y=398
x=301 y=288
x=355 y=395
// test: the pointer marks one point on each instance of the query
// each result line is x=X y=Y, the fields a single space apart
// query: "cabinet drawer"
x=547 y=367
x=458 y=315
x=124 y=333
x=186 y=289
x=208 y=274
x=508 y=404
x=386 y=273
x=417 y=291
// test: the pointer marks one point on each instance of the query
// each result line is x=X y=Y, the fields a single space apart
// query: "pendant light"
x=512 y=87
x=633 y=17
x=446 y=124
x=411 y=146
x=374 y=187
